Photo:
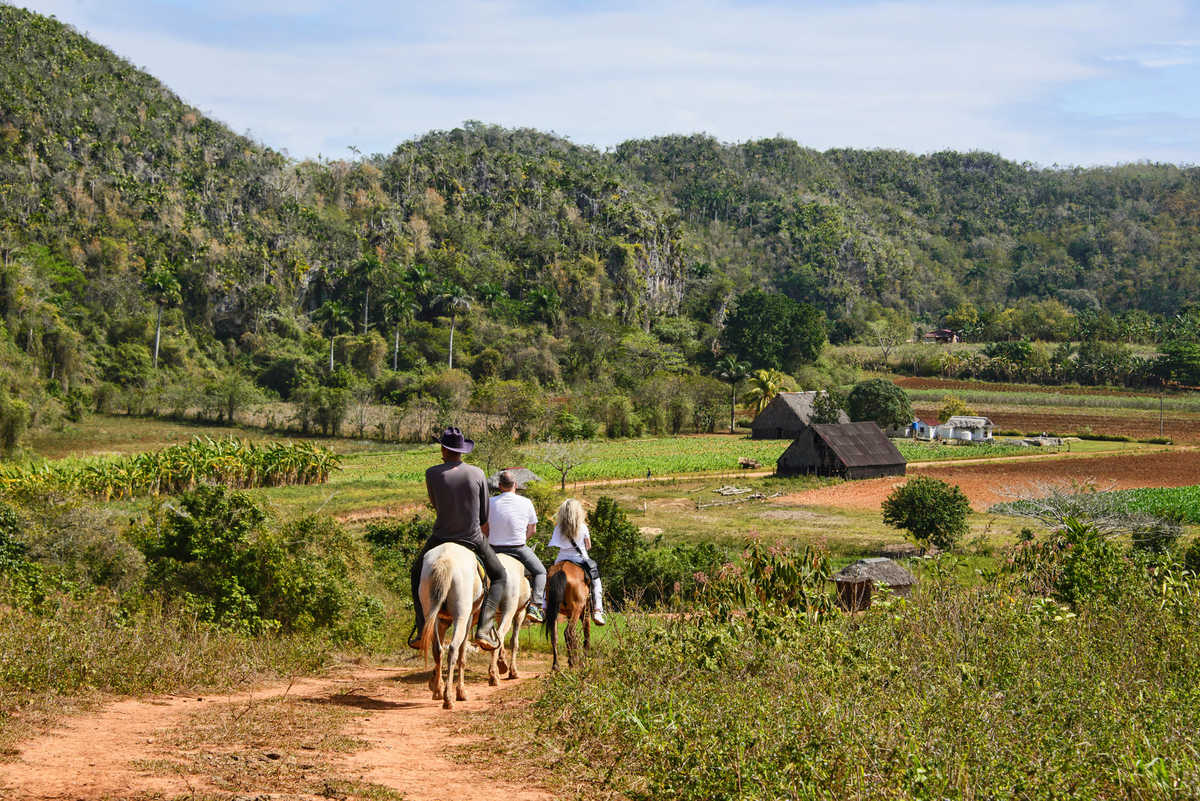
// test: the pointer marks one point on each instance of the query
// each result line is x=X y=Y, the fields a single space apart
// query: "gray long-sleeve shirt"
x=459 y=494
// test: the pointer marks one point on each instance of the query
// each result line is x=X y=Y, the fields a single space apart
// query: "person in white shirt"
x=512 y=520
x=572 y=539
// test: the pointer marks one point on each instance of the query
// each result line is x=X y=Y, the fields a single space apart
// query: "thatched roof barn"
x=523 y=476
x=856 y=582
x=848 y=450
x=786 y=416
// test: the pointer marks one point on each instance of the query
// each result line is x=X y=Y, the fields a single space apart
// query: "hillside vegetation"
x=152 y=260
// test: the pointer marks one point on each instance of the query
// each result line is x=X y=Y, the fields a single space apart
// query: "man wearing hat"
x=459 y=494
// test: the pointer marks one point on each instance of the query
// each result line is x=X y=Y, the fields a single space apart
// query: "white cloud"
x=914 y=75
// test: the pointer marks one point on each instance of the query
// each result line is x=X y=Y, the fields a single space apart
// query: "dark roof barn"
x=848 y=450
x=786 y=416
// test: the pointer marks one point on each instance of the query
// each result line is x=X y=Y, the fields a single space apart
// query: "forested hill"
x=119 y=202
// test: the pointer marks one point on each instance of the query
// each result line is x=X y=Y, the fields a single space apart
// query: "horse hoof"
x=512 y=674
x=447 y=704
x=460 y=694
x=493 y=681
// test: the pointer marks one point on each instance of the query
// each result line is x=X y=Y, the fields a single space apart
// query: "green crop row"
x=230 y=462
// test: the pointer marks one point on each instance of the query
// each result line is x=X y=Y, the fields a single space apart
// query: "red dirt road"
x=109 y=753
x=986 y=482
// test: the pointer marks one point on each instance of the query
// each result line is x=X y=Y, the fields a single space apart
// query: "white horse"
x=451 y=592
x=511 y=614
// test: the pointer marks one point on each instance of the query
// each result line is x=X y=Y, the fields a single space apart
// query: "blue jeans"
x=525 y=555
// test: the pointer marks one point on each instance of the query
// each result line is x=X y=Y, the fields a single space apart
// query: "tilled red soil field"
x=1181 y=429
x=995 y=481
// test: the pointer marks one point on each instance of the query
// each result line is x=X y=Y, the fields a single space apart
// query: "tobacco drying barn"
x=848 y=450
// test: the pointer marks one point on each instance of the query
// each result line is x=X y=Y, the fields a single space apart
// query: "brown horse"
x=568 y=593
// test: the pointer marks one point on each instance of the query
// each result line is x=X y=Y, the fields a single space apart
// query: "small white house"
x=923 y=431
x=964 y=428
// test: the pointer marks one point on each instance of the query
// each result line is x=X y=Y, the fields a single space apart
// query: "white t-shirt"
x=509 y=514
x=567 y=551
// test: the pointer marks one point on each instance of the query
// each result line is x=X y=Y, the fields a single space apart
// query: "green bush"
x=213 y=550
x=932 y=511
x=1191 y=557
x=1076 y=563
x=635 y=570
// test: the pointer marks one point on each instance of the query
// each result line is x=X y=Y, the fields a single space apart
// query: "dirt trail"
x=118 y=751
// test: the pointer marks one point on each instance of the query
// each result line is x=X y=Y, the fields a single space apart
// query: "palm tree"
x=735 y=372
x=400 y=308
x=454 y=300
x=336 y=319
x=163 y=288
x=764 y=386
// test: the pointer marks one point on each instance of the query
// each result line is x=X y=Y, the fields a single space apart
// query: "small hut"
x=856 y=582
x=522 y=475
x=848 y=450
x=788 y=414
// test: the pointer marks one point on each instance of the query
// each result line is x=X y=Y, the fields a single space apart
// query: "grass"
x=961 y=692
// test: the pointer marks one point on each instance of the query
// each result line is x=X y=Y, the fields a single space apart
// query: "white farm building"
x=964 y=428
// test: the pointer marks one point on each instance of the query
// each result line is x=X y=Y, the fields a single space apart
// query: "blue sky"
x=1047 y=82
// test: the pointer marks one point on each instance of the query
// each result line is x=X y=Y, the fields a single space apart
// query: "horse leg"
x=554 y=646
x=515 y=642
x=587 y=633
x=460 y=689
x=494 y=667
x=435 y=678
x=452 y=652
x=572 y=638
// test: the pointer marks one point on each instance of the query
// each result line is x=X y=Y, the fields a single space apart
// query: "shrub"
x=212 y=548
x=953 y=406
x=1076 y=563
x=931 y=510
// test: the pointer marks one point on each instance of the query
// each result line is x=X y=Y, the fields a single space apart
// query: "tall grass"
x=976 y=692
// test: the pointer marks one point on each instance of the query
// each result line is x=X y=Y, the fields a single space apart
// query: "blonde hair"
x=570 y=519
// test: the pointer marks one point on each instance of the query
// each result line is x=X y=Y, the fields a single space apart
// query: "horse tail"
x=441 y=577
x=556 y=590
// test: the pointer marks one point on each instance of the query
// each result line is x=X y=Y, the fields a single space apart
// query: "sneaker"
x=598 y=617
x=534 y=613
x=487 y=640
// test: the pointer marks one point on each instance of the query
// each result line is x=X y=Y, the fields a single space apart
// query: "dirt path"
x=990 y=481
x=399 y=739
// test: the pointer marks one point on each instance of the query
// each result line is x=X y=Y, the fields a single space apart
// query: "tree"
x=764 y=386
x=730 y=370
x=400 y=308
x=930 y=510
x=953 y=406
x=563 y=457
x=455 y=300
x=495 y=449
x=893 y=329
x=163 y=288
x=827 y=406
x=772 y=330
x=335 y=318
x=881 y=401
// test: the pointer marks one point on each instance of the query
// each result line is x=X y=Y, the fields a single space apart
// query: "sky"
x=1052 y=83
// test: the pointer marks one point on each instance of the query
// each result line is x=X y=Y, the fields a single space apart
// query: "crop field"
x=1165 y=502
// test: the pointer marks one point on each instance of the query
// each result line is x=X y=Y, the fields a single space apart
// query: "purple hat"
x=452 y=439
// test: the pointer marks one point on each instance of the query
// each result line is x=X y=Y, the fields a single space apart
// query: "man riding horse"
x=459 y=495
